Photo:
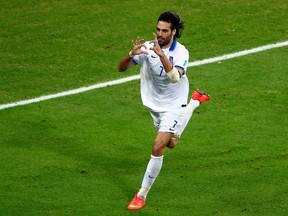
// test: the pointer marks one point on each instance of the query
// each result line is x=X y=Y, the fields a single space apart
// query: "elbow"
x=120 y=68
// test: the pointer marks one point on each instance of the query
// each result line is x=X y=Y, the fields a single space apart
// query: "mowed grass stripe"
x=136 y=77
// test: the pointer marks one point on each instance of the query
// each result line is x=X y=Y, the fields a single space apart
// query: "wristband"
x=130 y=54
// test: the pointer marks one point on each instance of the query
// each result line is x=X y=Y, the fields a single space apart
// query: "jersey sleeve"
x=182 y=60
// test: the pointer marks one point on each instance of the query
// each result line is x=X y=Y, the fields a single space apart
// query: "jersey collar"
x=173 y=45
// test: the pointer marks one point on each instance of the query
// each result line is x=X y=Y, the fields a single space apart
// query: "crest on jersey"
x=171 y=59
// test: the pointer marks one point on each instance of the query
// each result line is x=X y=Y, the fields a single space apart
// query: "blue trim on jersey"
x=173 y=45
x=134 y=62
x=181 y=68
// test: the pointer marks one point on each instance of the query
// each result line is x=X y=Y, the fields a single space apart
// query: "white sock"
x=191 y=106
x=153 y=169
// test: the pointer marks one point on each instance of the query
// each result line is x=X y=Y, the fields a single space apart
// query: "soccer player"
x=164 y=91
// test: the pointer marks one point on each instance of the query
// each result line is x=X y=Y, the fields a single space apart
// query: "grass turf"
x=86 y=154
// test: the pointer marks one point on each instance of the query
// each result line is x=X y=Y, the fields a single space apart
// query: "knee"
x=158 y=148
x=172 y=143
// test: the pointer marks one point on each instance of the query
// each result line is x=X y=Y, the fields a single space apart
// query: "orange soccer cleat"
x=201 y=96
x=137 y=203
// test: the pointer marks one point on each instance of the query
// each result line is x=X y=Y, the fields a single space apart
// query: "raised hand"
x=137 y=47
x=156 y=48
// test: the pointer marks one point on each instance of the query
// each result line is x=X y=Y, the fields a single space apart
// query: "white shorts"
x=170 y=121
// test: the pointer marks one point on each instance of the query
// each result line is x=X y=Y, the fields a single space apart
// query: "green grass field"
x=86 y=154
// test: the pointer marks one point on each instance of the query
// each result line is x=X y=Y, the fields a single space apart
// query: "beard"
x=164 y=41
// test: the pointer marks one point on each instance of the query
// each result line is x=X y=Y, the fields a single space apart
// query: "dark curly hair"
x=175 y=20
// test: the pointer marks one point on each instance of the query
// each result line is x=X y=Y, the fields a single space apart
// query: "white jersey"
x=157 y=91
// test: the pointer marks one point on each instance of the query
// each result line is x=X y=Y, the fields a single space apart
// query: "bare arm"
x=125 y=63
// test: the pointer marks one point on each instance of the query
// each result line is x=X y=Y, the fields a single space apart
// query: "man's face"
x=164 y=34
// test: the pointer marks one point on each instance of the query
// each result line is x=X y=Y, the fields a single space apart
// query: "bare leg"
x=172 y=143
x=160 y=143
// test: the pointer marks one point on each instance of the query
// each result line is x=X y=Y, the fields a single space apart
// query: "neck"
x=169 y=44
